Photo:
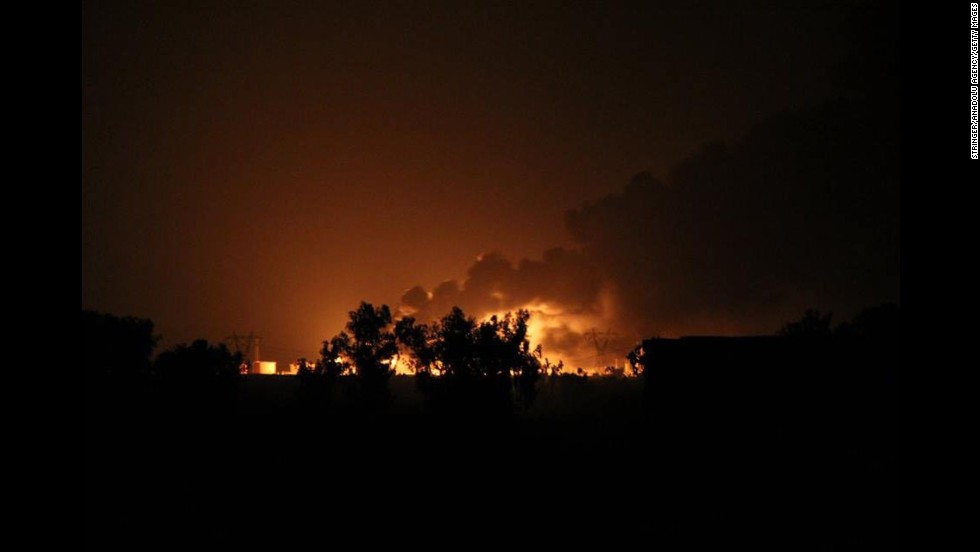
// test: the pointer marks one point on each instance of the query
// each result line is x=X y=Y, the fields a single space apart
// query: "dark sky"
x=266 y=166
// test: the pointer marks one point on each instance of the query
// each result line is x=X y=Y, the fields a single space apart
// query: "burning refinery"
x=248 y=347
x=569 y=338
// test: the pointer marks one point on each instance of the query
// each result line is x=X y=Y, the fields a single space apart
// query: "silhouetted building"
x=771 y=379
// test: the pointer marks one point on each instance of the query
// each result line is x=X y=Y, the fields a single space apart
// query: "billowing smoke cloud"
x=804 y=211
x=565 y=293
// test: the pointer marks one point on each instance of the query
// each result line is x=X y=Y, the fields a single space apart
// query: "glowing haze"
x=266 y=166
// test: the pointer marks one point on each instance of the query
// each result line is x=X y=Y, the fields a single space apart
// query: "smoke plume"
x=738 y=238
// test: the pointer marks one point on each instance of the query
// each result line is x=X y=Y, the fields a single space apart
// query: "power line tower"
x=601 y=342
x=246 y=345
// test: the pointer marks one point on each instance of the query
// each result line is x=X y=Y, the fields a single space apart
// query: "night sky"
x=706 y=168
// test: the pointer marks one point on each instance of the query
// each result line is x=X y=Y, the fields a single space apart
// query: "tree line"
x=484 y=365
x=481 y=364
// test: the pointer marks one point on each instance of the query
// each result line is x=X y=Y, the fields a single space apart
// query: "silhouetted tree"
x=330 y=364
x=528 y=373
x=317 y=381
x=504 y=343
x=199 y=378
x=454 y=344
x=116 y=346
x=369 y=348
x=198 y=361
x=614 y=372
x=552 y=370
x=813 y=324
x=635 y=359
x=480 y=363
x=303 y=367
x=879 y=321
x=419 y=340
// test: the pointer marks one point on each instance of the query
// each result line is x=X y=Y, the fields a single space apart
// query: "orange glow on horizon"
x=548 y=318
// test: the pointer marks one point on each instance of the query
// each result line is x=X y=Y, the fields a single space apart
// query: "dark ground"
x=598 y=461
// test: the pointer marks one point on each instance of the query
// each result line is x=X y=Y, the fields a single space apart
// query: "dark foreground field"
x=597 y=462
